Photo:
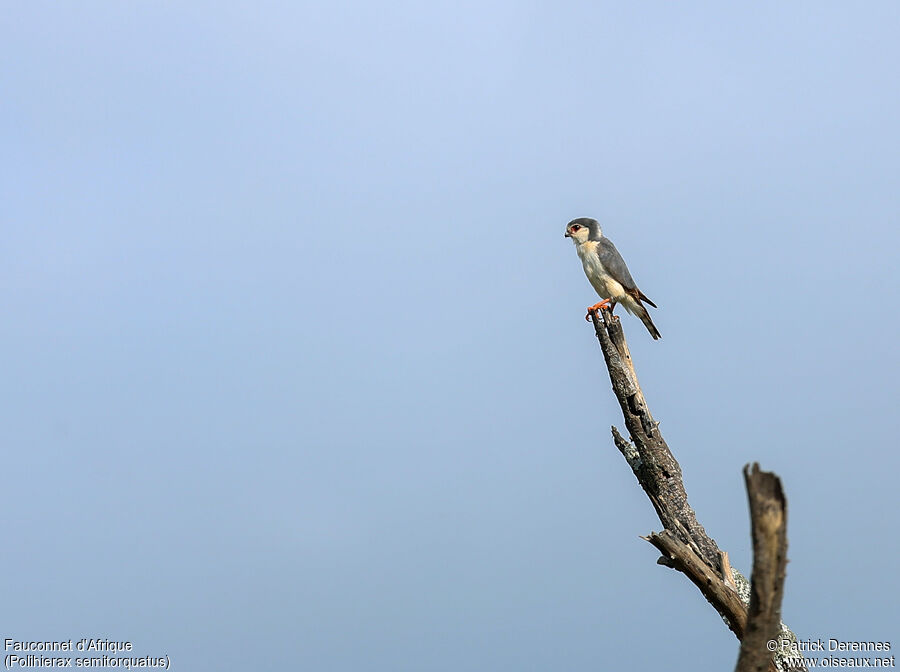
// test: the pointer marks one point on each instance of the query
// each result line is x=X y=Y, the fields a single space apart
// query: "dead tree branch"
x=652 y=462
x=768 y=518
x=678 y=555
x=683 y=543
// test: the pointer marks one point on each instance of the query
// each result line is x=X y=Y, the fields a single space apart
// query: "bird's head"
x=583 y=229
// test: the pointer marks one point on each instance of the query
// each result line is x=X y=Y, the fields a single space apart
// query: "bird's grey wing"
x=614 y=264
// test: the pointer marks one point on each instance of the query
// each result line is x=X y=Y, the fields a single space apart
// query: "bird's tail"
x=643 y=297
x=645 y=318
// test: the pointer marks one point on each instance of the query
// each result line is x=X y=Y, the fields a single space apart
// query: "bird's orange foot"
x=597 y=306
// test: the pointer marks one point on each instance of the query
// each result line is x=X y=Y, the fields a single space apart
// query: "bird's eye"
x=576 y=227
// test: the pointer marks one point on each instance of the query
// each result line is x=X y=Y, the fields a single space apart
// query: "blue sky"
x=296 y=371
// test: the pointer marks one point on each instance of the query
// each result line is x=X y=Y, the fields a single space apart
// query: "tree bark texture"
x=651 y=460
x=683 y=543
x=768 y=520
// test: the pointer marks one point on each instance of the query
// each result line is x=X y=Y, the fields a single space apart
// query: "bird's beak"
x=567 y=235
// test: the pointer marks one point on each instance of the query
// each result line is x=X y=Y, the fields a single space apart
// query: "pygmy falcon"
x=607 y=272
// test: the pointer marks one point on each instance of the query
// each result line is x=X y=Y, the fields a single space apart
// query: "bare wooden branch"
x=727 y=572
x=684 y=544
x=657 y=471
x=768 y=517
x=678 y=555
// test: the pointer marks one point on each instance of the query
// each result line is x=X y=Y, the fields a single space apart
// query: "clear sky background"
x=295 y=370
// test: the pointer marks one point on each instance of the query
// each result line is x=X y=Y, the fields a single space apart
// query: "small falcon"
x=607 y=272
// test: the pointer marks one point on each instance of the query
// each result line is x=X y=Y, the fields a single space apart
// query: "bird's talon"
x=597 y=306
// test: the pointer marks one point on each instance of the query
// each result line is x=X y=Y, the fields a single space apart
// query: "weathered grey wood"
x=657 y=471
x=678 y=555
x=768 y=521
x=684 y=544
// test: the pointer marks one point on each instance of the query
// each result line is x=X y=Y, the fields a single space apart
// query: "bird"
x=606 y=271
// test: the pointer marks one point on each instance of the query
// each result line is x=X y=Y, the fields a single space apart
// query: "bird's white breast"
x=602 y=282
